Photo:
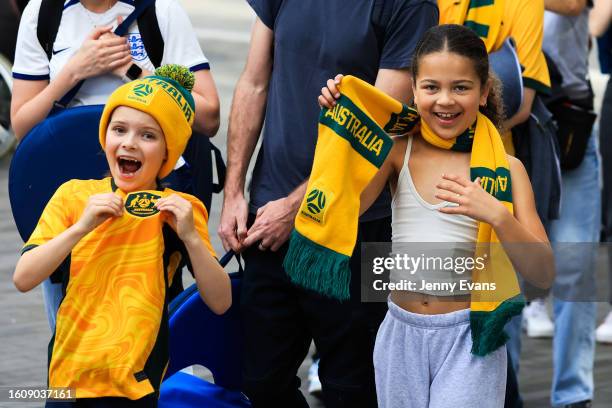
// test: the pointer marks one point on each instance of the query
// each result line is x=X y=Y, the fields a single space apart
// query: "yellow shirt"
x=111 y=336
x=523 y=20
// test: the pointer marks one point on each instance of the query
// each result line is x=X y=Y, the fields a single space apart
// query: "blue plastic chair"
x=61 y=148
x=198 y=336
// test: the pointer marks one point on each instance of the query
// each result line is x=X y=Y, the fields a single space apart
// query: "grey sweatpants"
x=425 y=361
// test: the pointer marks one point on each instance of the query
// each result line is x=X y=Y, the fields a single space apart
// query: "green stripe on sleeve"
x=481 y=30
x=537 y=85
x=481 y=3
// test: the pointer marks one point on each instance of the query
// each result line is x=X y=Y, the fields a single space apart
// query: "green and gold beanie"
x=166 y=96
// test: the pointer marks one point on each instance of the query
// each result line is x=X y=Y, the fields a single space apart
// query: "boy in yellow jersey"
x=117 y=243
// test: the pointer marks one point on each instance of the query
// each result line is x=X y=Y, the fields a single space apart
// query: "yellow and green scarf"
x=489 y=310
x=484 y=17
x=353 y=143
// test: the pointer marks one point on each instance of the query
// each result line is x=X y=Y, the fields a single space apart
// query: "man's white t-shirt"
x=180 y=44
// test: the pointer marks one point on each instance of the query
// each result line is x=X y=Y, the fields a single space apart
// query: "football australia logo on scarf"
x=141 y=204
x=316 y=204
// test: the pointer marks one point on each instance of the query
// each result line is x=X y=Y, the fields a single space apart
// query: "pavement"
x=223 y=28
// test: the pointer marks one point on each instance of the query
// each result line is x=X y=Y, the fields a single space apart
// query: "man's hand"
x=273 y=224
x=232 y=228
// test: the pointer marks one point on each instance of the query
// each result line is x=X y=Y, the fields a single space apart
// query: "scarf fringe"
x=317 y=268
x=488 y=327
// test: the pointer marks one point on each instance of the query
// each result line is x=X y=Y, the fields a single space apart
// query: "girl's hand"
x=330 y=93
x=179 y=216
x=471 y=198
x=102 y=52
x=100 y=207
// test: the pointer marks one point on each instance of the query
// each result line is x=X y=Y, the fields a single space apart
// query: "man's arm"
x=600 y=17
x=524 y=110
x=246 y=119
x=565 y=7
x=396 y=83
x=275 y=220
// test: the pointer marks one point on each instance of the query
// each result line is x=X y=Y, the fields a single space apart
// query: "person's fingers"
x=323 y=103
x=265 y=244
x=173 y=200
x=231 y=239
x=117 y=199
x=241 y=226
x=117 y=208
x=338 y=79
x=98 y=31
x=173 y=208
x=452 y=198
x=112 y=40
x=331 y=85
x=117 y=56
x=234 y=244
x=221 y=232
x=254 y=236
x=328 y=96
x=167 y=208
x=452 y=210
x=276 y=245
x=227 y=232
x=102 y=209
x=226 y=246
x=457 y=179
x=120 y=62
x=450 y=186
x=119 y=49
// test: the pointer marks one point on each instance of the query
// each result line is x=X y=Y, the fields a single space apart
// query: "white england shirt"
x=180 y=44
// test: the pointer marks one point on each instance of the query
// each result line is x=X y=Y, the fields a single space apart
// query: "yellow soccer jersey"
x=523 y=20
x=111 y=336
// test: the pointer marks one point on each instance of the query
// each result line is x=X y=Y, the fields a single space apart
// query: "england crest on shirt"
x=137 y=48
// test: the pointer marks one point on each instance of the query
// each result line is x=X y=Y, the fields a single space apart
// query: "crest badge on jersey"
x=137 y=48
x=141 y=204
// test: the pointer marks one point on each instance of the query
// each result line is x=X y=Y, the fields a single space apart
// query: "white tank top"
x=414 y=220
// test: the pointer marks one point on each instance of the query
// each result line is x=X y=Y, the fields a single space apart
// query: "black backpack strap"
x=151 y=36
x=49 y=17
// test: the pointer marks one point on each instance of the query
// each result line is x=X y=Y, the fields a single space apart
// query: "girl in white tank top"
x=436 y=201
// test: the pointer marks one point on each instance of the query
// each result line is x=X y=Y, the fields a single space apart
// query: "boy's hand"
x=180 y=216
x=100 y=207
